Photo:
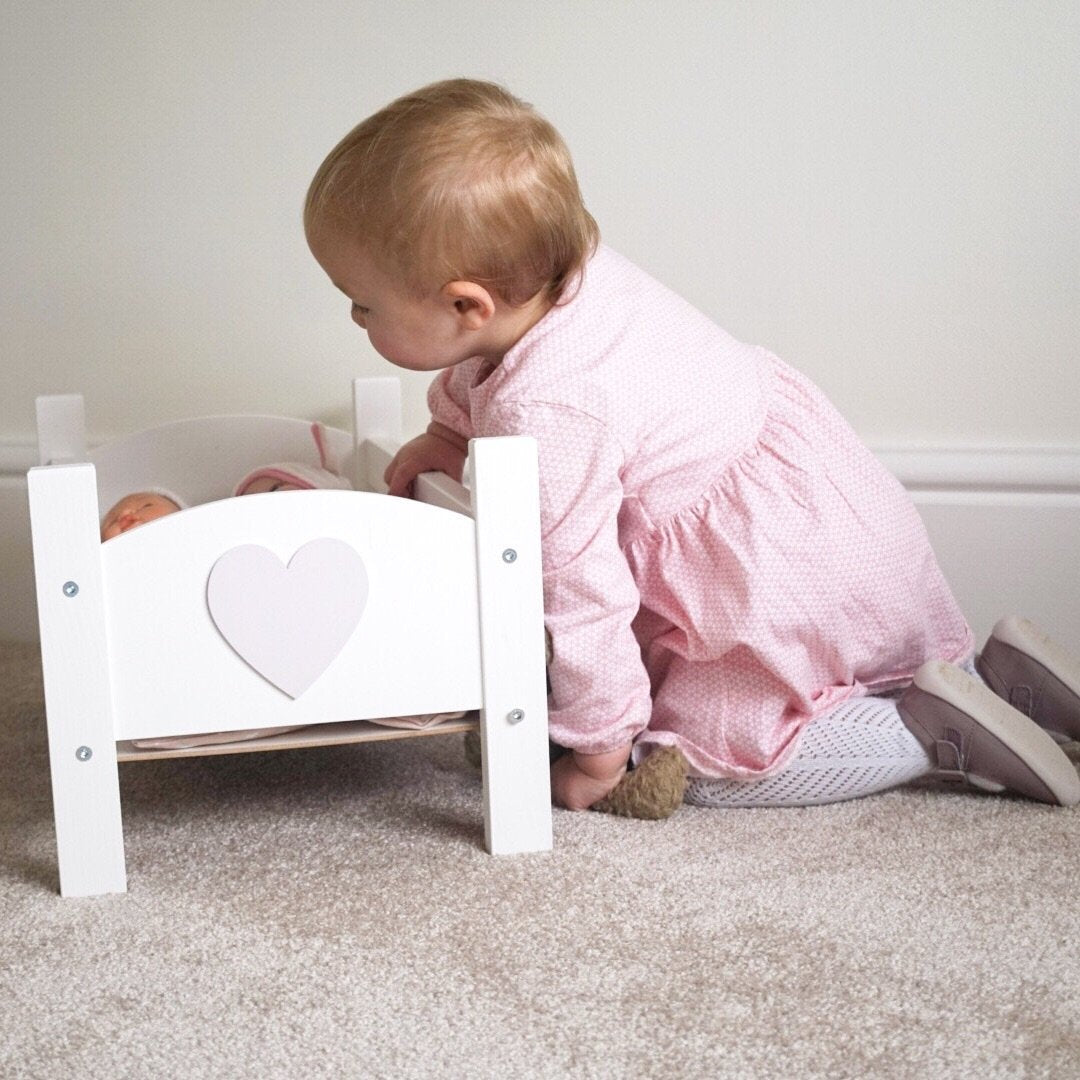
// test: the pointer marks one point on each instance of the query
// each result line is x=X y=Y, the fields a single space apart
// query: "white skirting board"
x=1005 y=525
x=1009 y=552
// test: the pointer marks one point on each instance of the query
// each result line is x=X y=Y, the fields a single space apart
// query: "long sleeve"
x=448 y=400
x=600 y=690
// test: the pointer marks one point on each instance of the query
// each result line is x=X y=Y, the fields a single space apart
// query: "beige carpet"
x=331 y=913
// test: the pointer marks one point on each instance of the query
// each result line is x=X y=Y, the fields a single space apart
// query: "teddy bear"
x=652 y=790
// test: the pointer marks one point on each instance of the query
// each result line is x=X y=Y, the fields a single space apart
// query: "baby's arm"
x=579 y=780
x=600 y=691
x=444 y=446
x=439 y=449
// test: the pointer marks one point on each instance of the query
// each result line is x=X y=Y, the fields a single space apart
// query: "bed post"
x=376 y=421
x=75 y=665
x=61 y=428
x=513 y=719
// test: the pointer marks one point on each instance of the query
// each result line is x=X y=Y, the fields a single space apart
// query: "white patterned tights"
x=859 y=748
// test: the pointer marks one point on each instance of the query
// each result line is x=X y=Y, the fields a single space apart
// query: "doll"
x=138 y=509
x=142 y=507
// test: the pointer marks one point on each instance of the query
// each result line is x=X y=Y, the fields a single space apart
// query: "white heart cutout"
x=288 y=623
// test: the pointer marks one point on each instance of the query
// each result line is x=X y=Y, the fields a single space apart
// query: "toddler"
x=731 y=579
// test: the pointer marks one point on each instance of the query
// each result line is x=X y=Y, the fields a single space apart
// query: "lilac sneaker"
x=1035 y=675
x=975 y=738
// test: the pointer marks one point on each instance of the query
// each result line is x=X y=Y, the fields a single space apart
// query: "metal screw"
x=84 y=753
x=71 y=589
x=515 y=716
x=509 y=555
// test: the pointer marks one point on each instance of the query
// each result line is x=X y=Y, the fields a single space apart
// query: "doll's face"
x=134 y=510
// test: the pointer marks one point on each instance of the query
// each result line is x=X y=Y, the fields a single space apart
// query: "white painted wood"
x=416 y=649
x=438 y=489
x=76 y=668
x=513 y=720
x=1009 y=553
x=376 y=416
x=135 y=653
x=1003 y=469
x=435 y=489
x=377 y=408
x=61 y=428
x=376 y=453
x=1035 y=501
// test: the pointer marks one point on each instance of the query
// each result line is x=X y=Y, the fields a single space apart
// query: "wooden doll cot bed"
x=320 y=608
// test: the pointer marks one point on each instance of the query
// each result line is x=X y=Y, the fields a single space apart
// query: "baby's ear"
x=472 y=303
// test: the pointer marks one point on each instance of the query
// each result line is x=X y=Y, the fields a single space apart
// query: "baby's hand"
x=579 y=780
x=438 y=450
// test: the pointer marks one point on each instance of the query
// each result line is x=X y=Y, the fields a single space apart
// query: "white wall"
x=884 y=193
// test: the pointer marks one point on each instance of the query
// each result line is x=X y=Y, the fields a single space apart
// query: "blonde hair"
x=458 y=181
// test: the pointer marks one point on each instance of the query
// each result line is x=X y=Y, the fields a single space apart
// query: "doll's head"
x=458 y=181
x=138 y=509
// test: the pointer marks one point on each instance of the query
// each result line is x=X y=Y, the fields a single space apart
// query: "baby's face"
x=417 y=333
x=134 y=510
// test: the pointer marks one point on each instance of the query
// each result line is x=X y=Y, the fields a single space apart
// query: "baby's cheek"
x=385 y=349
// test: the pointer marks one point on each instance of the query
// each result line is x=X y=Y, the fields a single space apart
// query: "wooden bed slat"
x=349 y=731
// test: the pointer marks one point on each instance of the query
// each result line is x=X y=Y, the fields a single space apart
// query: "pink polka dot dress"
x=724 y=560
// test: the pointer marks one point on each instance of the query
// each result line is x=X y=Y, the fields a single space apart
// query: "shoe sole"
x=1016 y=644
x=1018 y=734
